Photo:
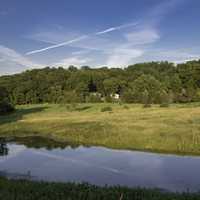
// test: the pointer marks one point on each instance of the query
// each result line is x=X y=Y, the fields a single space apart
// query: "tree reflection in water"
x=3 y=148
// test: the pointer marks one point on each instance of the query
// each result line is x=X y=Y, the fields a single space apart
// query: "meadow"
x=174 y=129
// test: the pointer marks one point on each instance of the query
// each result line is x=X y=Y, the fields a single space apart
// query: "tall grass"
x=27 y=190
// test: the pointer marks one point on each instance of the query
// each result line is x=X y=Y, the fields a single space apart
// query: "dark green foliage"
x=164 y=105
x=36 y=142
x=75 y=107
x=147 y=105
x=5 y=108
x=3 y=148
x=94 y=98
x=108 y=99
x=106 y=109
x=128 y=96
x=70 y=97
x=27 y=190
x=147 y=83
x=5 y=105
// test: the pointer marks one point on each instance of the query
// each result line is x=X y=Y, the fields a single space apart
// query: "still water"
x=39 y=159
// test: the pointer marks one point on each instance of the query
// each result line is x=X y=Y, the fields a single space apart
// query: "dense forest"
x=154 y=82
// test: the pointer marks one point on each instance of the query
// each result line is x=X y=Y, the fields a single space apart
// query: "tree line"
x=147 y=83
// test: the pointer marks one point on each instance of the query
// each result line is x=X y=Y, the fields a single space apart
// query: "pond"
x=42 y=159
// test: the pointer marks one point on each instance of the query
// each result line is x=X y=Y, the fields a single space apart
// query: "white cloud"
x=12 y=55
x=132 y=48
x=75 y=53
x=77 y=61
x=172 y=55
x=129 y=46
x=120 y=52
x=141 y=37
x=77 y=39
x=177 y=56
x=123 y=57
x=115 y=52
x=11 y=61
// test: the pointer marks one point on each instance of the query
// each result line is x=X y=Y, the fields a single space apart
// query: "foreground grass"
x=21 y=190
x=175 y=129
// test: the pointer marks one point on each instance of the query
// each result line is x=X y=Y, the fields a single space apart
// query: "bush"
x=108 y=99
x=92 y=98
x=147 y=105
x=126 y=107
x=106 y=109
x=5 y=108
x=164 y=105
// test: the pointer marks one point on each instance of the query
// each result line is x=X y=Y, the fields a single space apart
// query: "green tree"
x=5 y=105
x=111 y=86
x=162 y=80
x=145 y=84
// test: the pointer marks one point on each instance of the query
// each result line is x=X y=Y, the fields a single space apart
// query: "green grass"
x=27 y=190
x=175 y=129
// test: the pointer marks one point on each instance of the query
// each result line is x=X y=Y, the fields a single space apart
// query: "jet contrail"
x=81 y=38
x=115 y=28
x=57 y=45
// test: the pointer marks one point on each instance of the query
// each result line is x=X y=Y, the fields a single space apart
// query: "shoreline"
x=173 y=130
x=26 y=189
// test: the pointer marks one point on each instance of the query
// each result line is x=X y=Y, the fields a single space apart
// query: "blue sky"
x=114 y=33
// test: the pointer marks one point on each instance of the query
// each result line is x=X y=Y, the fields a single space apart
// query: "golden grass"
x=174 y=129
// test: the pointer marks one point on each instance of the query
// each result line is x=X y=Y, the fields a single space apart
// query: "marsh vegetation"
x=21 y=190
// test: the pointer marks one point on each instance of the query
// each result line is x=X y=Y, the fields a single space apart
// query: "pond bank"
x=36 y=158
x=172 y=130
x=29 y=190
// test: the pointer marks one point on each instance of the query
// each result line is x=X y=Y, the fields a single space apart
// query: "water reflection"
x=38 y=142
x=52 y=161
x=3 y=148
x=19 y=176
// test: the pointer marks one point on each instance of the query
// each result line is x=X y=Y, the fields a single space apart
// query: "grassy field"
x=175 y=129
x=27 y=190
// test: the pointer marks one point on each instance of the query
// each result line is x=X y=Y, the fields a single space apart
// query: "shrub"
x=147 y=105
x=93 y=98
x=164 y=105
x=5 y=108
x=126 y=107
x=106 y=109
x=109 y=99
